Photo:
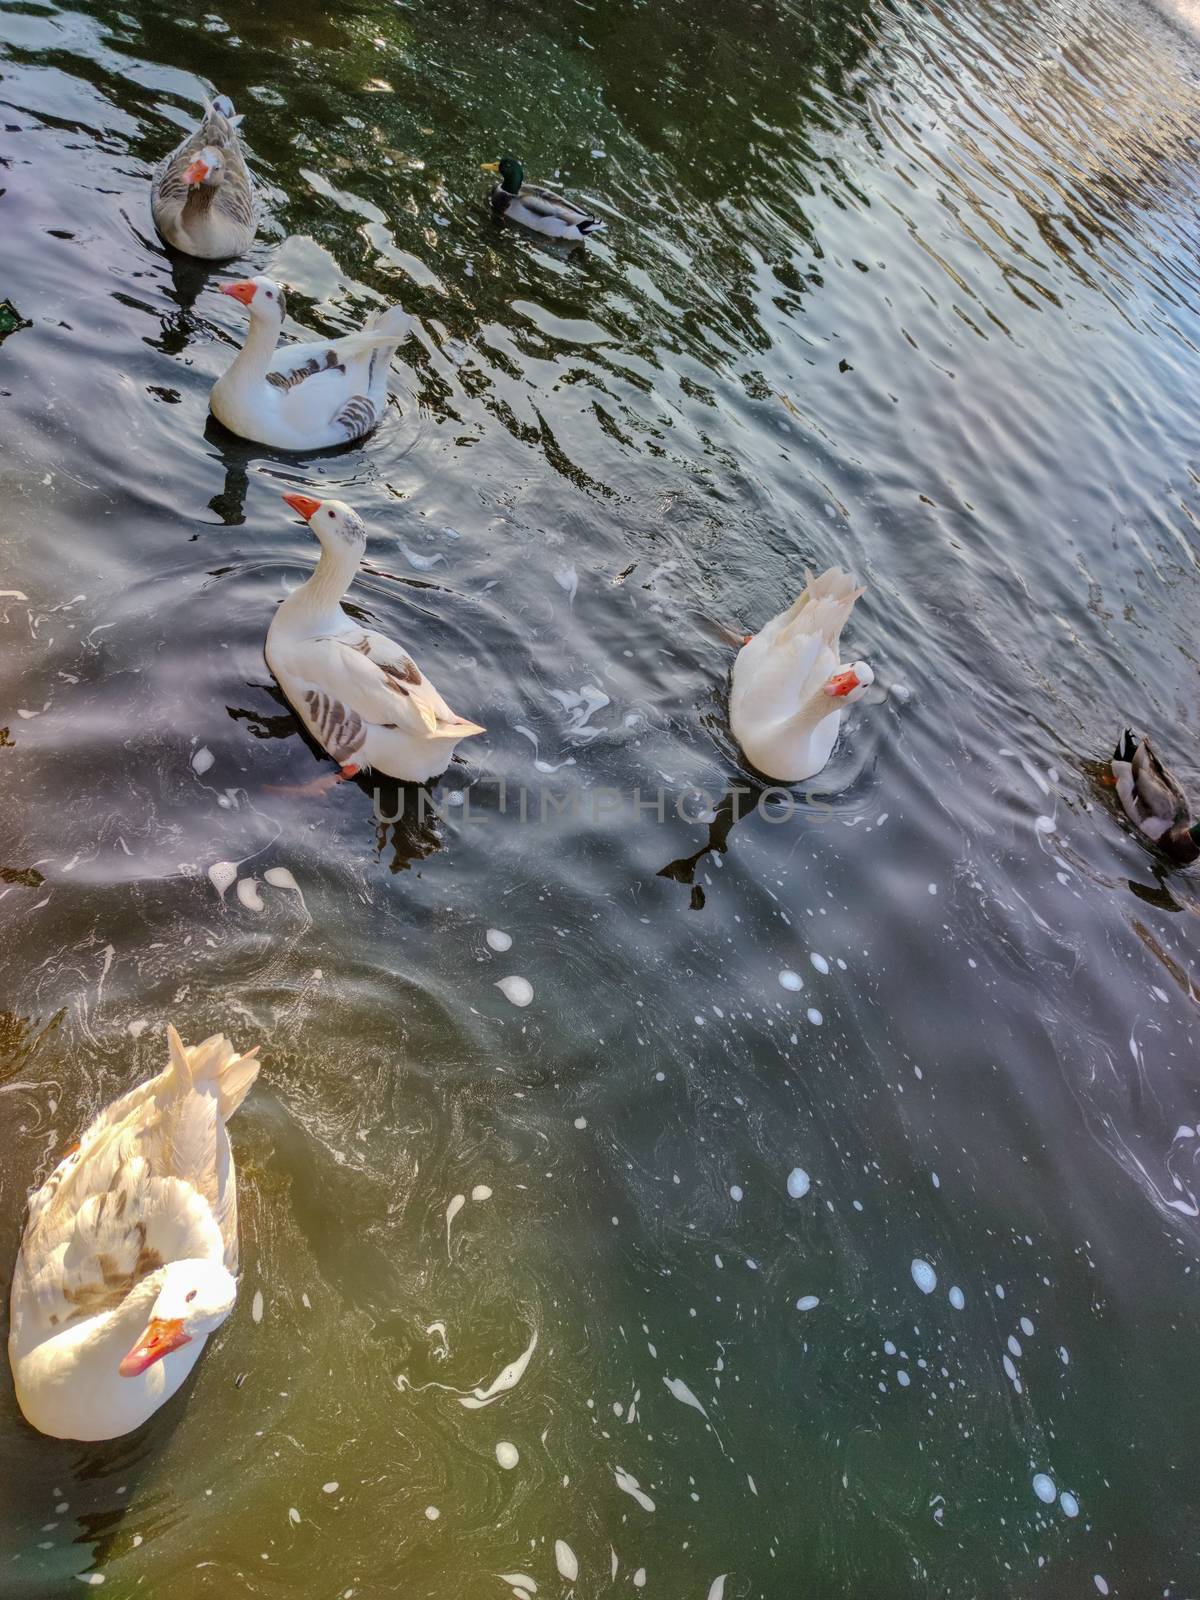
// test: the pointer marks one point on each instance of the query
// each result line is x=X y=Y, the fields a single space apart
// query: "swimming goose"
x=304 y=396
x=535 y=207
x=360 y=695
x=201 y=196
x=789 y=691
x=130 y=1252
x=1153 y=800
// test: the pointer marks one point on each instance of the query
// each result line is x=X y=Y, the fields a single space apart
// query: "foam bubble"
x=923 y=1276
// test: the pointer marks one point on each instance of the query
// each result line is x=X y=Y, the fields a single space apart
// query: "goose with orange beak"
x=789 y=689
x=361 y=695
x=130 y=1254
x=201 y=197
x=304 y=397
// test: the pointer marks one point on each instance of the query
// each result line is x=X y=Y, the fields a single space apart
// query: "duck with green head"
x=536 y=207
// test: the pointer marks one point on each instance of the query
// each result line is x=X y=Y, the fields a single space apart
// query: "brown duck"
x=1153 y=800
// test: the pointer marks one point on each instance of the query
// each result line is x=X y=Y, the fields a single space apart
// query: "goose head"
x=263 y=297
x=206 y=170
x=849 y=684
x=337 y=525
x=194 y=1298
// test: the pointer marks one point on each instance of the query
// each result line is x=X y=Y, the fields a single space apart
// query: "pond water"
x=839 y=1180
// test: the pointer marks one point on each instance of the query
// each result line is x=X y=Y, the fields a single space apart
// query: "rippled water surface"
x=909 y=288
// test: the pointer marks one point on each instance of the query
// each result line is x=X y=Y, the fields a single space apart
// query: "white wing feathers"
x=374 y=677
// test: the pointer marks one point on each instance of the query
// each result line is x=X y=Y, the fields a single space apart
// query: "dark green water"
x=913 y=289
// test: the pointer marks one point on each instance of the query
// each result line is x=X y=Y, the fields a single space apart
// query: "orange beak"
x=159 y=1339
x=842 y=682
x=243 y=291
x=197 y=172
x=303 y=503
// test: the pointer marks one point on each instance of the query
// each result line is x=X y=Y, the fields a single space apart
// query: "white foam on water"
x=923 y=1276
x=791 y=980
x=507 y=1454
x=1100 y=1583
x=480 y=1192
x=565 y=1560
x=957 y=1298
x=581 y=1122
x=1064 y=1355
x=432 y=1513
x=798 y=1183
x=807 y=1302
x=281 y=878
x=639 y=1578
x=684 y=1395
x=222 y=874
x=1043 y=1487
x=247 y=893
x=717 y=1588
x=815 y=1017
x=632 y=1487
x=202 y=760
x=1069 y=1503
x=517 y=990
x=331 y=1487
x=518 y=1580
x=293 y=1516
x=735 y=1191
x=457 y=1202
x=507 y=1379
x=256 y=1306
x=498 y=940
x=819 y=962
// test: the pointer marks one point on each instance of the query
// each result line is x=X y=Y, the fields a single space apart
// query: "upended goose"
x=789 y=690
x=1153 y=800
x=360 y=695
x=130 y=1251
x=201 y=196
x=304 y=396
x=536 y=207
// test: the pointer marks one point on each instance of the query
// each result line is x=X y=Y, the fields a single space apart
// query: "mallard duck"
x=304 y=396
x=201 y=196
x=535 y=207
x=1153 y=800
x=788 y=690
x=360 y=695
x=130 y=1252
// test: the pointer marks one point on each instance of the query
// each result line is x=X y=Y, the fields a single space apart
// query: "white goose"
x=130 y=1250
x=788 y=691
x=304 y=396
x=360 y=695
x=201 y=196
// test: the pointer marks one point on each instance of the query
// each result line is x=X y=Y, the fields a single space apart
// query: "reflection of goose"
x=304 y=396
x=1153 y=800
x=201 y=197
x=129 y=1255
x=535 y=207
x=360 y=695
x=788 y=692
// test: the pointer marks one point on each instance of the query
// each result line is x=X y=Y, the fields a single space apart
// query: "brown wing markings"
x=306 y=369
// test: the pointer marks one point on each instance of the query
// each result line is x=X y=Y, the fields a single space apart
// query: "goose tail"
x=214 y=1061
x=394 y=323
